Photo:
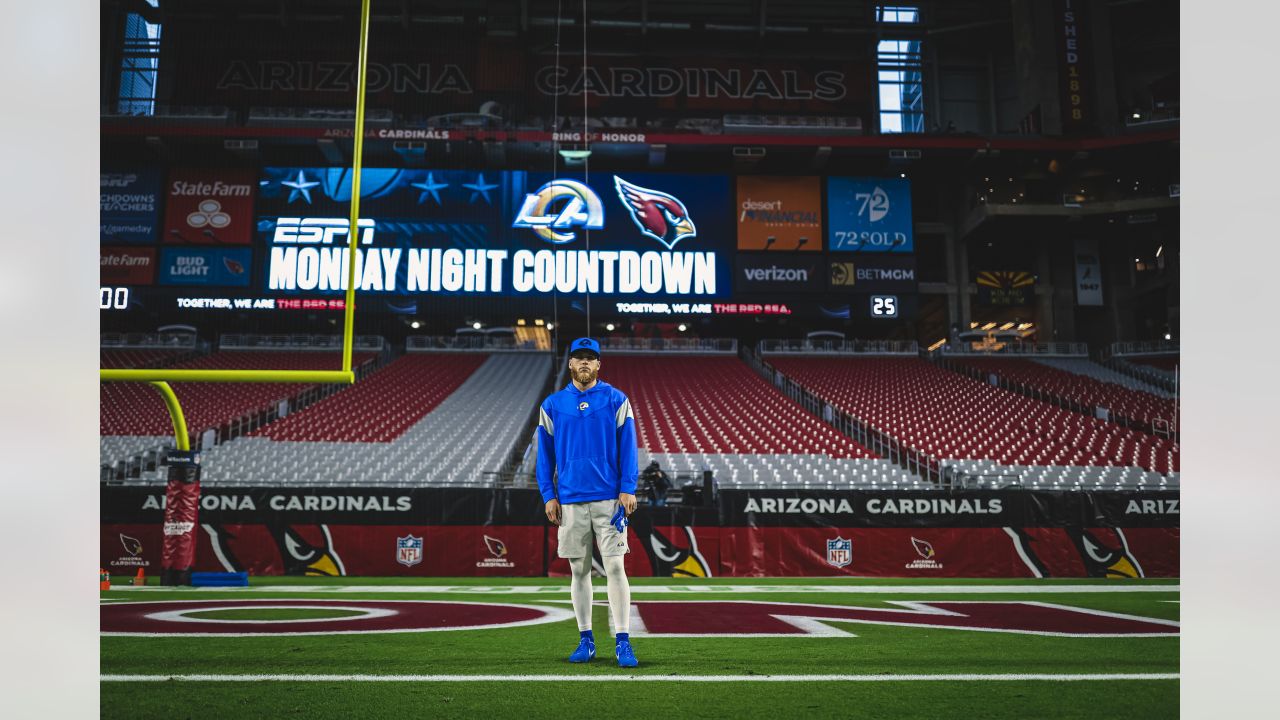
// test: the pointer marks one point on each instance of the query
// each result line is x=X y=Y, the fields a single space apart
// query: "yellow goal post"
x=159 y=378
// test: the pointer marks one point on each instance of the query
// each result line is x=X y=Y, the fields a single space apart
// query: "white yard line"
x=675 y=589
x=964 y=677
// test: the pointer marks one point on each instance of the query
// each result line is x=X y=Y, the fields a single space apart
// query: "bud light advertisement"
x=212 y=267
x=869 y=214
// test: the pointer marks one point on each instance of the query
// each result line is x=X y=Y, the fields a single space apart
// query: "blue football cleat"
x=626 y=656
x=586 y=650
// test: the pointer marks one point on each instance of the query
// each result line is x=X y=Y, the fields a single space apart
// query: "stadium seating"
x=382 y=406
x=950 y=416
x=134 y=409
x=133 y=418
x=425 y=419
x=1102 y=373
x=1139 y=407
x=118 y=358
x=696 y=412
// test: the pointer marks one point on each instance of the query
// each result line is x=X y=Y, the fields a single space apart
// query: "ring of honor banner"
x=869 y=215
x=1088 y=272
x=468 y=532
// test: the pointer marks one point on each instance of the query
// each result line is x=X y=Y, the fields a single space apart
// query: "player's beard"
x=586 y=375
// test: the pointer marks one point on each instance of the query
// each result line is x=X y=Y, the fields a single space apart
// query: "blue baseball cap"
x=584 y=343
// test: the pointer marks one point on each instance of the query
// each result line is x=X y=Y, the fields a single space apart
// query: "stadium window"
x=900 y=78
x=897 y=14
x=138 y=64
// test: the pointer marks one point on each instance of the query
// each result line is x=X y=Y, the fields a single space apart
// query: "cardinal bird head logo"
x=659 y=215
x=923 y=548
x=132 y=545
x=235 y=267
x=497 y=548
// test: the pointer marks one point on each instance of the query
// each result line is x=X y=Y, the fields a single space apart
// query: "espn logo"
x=292 y=230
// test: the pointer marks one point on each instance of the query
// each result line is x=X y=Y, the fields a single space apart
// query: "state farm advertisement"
x=209 y=207
x=126 y=265
x=779 y=213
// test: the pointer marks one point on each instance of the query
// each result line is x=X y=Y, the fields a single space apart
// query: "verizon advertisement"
x=126 y=265
x=779 y=213
x=209 y=207
x=875 y=273
x=778 y=273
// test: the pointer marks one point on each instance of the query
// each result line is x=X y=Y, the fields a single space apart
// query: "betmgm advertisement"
x=505 y=233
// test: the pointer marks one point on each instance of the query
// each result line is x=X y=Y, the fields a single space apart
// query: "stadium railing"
x=148 y=341
x=698 y=346
x=1157 y=347
x=1051 y=349
x=809 y=346
x=466 y=343
x=318 y=343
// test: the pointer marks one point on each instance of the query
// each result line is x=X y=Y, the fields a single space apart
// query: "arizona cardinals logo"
x=659 y=215
x=1103 y=552
x=303 y=549
x=497 y=548
x=132 y=545
x=923 y=548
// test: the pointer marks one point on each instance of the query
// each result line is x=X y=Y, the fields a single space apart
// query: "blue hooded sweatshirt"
x=587 y=443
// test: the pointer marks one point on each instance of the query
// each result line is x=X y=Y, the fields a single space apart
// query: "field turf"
x=883 y=671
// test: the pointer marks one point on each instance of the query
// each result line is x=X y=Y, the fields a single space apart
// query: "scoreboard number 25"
x=884 y=306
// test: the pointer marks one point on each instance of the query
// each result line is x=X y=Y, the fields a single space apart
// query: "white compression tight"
x=580 y=590
x=618 y=587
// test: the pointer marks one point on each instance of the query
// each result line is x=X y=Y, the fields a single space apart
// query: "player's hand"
x=553 y=511
x=628 y=502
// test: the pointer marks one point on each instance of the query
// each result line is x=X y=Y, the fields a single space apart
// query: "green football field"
x=751 y=647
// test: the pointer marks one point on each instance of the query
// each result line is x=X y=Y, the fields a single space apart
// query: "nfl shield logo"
x=839 y=552
x=409 y=550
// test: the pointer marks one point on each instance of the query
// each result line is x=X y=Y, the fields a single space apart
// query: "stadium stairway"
x=396 y=437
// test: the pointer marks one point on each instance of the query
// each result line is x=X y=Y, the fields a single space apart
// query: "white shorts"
x=577 y=522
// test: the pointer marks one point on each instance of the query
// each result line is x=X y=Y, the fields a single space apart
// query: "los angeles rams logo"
x=582 y=208
x=583 y=406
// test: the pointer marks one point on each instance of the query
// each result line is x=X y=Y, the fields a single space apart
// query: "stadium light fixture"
x=682 y=327
x=551 y=326
x=476 y=325
x=415 y=324
x=609 y=327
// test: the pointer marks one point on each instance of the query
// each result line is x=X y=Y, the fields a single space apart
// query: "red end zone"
x=175 y=618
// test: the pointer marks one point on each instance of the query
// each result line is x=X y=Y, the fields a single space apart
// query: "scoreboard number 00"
x=110 y=298
x=884 y=306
